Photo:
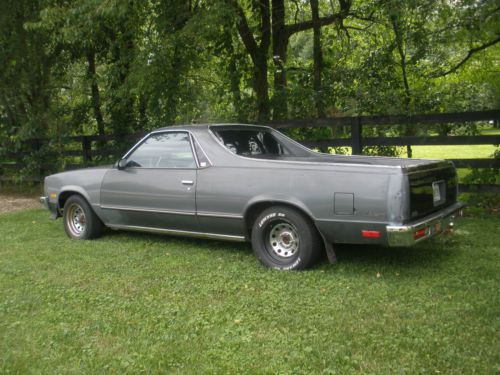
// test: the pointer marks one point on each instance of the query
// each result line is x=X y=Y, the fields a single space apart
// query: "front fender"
x=85 y=182
x=73 y=189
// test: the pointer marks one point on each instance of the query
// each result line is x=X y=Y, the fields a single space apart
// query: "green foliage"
x=131 y=303
x=120 y=67
x=482 y=204
x=484 y=175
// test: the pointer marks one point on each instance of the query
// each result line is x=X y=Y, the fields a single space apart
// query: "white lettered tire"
x=284 y=238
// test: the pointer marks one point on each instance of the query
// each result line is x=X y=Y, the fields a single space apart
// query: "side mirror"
x=122 y=164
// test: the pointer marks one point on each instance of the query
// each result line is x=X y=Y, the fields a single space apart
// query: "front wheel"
x=285 y=239
x=80 y=221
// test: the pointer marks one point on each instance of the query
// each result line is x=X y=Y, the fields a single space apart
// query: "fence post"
x=356 y=134
x=86 y=148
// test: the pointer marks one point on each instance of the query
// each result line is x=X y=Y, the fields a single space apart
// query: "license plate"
x=436 y=191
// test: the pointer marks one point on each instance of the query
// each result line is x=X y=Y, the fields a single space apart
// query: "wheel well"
x=63 y=197
x=254 y=210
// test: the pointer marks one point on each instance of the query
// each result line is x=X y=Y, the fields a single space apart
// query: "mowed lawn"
x=453 y=152
x=133 y=303
x=457 y=151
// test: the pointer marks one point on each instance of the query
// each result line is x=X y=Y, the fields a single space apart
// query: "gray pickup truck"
x=252 y=183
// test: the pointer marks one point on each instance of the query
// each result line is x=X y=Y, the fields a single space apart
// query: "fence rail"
x=436 y=118
x=357 y=141
x=85 y=150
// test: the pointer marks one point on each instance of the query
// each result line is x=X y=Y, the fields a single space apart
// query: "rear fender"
x=274 y=200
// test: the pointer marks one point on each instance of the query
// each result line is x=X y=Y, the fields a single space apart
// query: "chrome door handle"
x=187 y=182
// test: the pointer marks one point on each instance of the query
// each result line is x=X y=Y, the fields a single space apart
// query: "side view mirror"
x=122 y=164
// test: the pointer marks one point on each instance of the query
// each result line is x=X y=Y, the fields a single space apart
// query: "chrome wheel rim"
x=76 y=220
x=284 y=240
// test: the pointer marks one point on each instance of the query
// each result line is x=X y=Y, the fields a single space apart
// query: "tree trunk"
x=318 y=59
x=261 y=88
x=94 y=88
x=143 y=118
x=235 y=77
x=409 y=130
x=258 y=54
x=122 y=103
x=280 y=44
x=234 y=74
x=173 y=87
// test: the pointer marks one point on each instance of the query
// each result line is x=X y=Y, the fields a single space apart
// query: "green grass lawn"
x=457 y=151
x=453 y=152
x=132 y=303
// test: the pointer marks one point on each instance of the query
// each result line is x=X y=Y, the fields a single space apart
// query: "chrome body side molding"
x=171 y=212
x=214 y=236
x=139 y=209
x=219 y=214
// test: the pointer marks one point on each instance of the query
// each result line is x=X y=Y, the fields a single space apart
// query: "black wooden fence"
x=87 y=150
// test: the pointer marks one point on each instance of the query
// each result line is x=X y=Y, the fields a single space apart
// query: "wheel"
x=285 y=239
x=80 y=221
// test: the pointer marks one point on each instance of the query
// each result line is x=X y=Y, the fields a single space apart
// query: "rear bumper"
x=412 y=233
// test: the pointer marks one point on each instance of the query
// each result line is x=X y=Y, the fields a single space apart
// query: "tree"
x=87 y=67
x=258 y=52
x=27 y=60
x=279 y=32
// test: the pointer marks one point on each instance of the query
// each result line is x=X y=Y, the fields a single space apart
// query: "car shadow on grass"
x=426 y=256
x=431 y=254
x=184 y=242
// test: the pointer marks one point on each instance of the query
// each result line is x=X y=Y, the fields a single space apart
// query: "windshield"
x=258 y=142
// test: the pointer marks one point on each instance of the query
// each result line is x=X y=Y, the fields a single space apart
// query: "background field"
x=131 y=303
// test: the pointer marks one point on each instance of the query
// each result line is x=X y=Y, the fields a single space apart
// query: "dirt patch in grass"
x=13 y=202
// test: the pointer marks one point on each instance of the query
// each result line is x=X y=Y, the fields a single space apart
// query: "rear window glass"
x=251 y=142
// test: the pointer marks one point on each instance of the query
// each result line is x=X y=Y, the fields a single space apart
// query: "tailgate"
x=432 y=187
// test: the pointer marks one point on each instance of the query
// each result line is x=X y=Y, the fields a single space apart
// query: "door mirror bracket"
x=122 y=164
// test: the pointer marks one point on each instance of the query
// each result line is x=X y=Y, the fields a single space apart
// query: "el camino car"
x=252 y=183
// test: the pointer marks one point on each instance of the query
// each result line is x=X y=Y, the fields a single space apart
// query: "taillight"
x=370 y=233
x=420 y=233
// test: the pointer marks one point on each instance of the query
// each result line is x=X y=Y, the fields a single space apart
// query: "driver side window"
x=163 y=150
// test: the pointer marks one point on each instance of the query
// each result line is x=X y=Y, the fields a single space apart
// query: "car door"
x=156 y=189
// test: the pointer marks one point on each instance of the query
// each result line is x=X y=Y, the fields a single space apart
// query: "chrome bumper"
x=45 y=202
x=52 y=207
x=412 y=233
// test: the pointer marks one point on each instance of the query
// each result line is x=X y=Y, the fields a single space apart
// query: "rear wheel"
x=285 y=239
x=80 y=221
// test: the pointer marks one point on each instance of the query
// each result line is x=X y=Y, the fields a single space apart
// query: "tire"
x=285 y=239
x=80 y=221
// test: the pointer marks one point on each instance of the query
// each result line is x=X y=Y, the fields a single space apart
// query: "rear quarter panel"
x=231 y=191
